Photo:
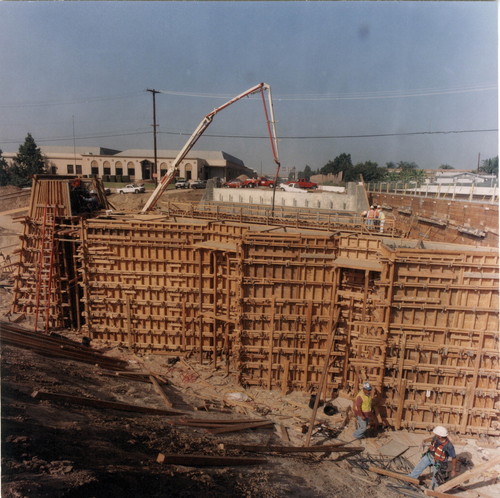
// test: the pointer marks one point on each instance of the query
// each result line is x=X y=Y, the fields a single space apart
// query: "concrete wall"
x=453 y=214
x=354 y=199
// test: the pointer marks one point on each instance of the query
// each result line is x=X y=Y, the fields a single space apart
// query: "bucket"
x=313 y=400
x=330 y=410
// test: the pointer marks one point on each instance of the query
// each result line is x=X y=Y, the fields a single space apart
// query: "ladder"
x=44 y=272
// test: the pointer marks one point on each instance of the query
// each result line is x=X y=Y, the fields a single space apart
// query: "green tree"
x=28 y=161
x=306 y=173
x=369 y=170
x=405 y=165
x=391 y=165
x=4 y=170
x=341 y=163
x=446 y=166
x=490 y=166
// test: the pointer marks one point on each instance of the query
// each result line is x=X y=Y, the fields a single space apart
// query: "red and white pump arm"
x=174 y=168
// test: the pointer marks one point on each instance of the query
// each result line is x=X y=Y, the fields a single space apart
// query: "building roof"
x=208 y=155
x=69 y=151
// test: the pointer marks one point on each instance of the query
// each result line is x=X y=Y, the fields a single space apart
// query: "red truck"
x=304 y=183
x=261 y=181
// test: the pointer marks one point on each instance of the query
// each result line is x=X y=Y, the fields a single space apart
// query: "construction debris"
x=208 y=461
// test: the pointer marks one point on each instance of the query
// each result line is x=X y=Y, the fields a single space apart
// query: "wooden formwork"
x=419 y=321
x=160 y=285
x=47 y=283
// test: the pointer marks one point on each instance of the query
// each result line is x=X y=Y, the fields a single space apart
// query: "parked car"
x=132 y=188
x=198 y=184
x=182 y=184
x=232 y=183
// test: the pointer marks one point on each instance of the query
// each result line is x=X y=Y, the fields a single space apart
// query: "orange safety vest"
x=436 y=450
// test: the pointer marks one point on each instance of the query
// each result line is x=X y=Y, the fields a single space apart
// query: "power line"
x=257 y=137
x=82 y=137
x=384 y=94
x=319 y=137
x=83 y=100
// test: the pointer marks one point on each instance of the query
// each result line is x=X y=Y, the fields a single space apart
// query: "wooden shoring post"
x=348 y=344
x=387 y=320
x=322 y=381
x=286 y=373
x=401 y=404
x=471 y=388
x=128 y=320
x=84 y=274
x=308 y=339
x=365 y=293
x=200 y=302
x=334 y=318
x=271 y=344
x=184 y=325
x=215 y=255
x=226 y=345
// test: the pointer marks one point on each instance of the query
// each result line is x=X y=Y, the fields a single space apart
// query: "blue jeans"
x=426 y=461
x=362 y=426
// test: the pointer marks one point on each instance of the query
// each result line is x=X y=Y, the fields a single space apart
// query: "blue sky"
x=336 y=69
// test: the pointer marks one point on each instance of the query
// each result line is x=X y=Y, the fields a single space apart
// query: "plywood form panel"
x=412 y=321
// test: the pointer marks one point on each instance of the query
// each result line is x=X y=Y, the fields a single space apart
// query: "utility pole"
x=155 y=170
x=478 y=161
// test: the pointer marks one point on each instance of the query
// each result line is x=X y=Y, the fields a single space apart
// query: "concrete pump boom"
x=172 y=171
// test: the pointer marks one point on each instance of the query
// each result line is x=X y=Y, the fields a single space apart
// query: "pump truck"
x=174 y=168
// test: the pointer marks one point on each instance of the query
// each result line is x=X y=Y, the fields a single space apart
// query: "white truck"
x=131 y=189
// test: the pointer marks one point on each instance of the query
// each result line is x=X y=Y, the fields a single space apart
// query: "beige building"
x=138 y=164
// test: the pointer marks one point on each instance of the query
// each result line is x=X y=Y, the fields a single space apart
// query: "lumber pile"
x=58 y=347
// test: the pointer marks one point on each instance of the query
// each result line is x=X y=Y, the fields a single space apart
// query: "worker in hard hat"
x=437 y=456
x=362 y=409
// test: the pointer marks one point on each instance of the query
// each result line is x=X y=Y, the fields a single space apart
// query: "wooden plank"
x=322 y=381
x=330 y=448
x=452 y=483
x=437 y=494
x=396 y=475
x=207 y=460
x=97 y=403
x=284 y=433
x=160 y=391
x=241 y=427
x=286 y=373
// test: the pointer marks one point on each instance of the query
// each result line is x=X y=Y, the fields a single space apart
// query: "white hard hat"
x=367 y=386
x=440 y=431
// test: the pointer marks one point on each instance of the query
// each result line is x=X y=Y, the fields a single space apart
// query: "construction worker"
x=362 y=409
x=381 y=219
x=437 y=456
x=370 y=217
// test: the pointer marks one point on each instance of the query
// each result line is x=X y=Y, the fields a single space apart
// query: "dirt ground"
x=135 y=202
x=53 y=449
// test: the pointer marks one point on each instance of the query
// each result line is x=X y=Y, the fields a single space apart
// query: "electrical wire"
x=384 y=94
x=319 y=137
x=258 y=137
x=83 y=100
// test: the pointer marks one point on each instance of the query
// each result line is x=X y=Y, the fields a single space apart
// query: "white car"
x=131 y=189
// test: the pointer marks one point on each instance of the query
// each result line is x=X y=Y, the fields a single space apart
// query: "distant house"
x=138 y=164
x=463 y=178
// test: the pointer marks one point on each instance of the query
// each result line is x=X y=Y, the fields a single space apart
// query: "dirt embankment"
x=53 y=449
x=135 y=202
